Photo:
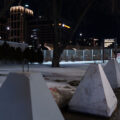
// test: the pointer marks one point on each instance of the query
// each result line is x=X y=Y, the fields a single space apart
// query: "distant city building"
x=23 y=27
x=19 y=17
x=87 y=42
x=109 y=42
x=41 y=31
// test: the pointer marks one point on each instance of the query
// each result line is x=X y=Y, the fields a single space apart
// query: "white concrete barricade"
x=25 y=96
x=112 y=71
x=94 y=94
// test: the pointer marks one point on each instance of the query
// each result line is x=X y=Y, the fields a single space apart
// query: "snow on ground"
x=67 y=74
x=54 y=76
x=65 y=69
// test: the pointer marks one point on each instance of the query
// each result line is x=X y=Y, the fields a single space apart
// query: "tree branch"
x=90 y=3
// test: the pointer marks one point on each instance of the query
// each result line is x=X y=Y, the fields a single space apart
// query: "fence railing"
x=80 y=55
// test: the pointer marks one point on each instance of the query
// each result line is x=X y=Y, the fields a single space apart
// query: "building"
x=24 y=27
x=41 y=31
x=19 y=17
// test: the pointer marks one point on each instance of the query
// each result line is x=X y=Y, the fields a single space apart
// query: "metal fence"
x=80 y=55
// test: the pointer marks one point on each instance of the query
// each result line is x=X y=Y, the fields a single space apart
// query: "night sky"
x=99 y=20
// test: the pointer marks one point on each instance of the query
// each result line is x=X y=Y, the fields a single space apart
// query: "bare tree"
x=115 y=14
x=58 y=44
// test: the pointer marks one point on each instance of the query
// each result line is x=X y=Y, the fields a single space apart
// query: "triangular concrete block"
x=26 y=97
x=94 y=94
x=112 y=71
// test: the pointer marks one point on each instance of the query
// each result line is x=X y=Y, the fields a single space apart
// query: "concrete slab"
x=26 y=97
x=94 y=94
x=112 y=71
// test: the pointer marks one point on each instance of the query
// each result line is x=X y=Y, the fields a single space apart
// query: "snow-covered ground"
x=66 y=69
x=68 y=75
x=65 y=79
x=54 y=76
x=69 y=72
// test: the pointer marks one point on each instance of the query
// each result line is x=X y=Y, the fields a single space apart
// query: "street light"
x=8 y=28
x=26 y=5
x=81 y=34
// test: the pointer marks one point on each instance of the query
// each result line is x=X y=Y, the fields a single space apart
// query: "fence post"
x=92 y=54
x=83 y=55
x=28 y=67
x=67 y=54
x=75 y=55
x=111 y=53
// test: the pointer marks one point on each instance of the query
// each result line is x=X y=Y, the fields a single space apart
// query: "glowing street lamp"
x=81 y=34
x=8 y=28
x=26 y=5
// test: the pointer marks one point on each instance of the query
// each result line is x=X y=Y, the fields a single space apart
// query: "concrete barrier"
x=26 y=97
x=94 y=94
x=112 y=71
